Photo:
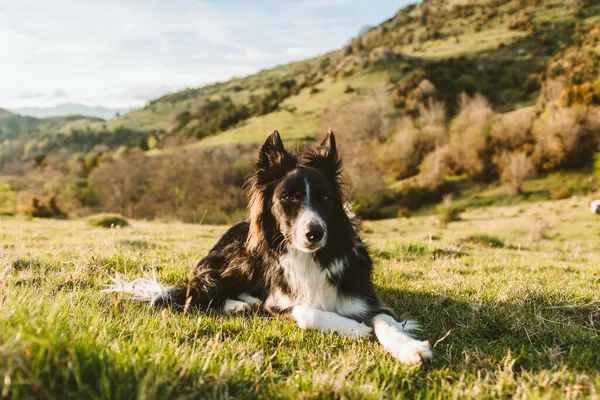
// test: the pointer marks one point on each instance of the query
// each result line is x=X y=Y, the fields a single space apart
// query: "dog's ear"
x=273 y=163
x=325 y=157
x=273 y=160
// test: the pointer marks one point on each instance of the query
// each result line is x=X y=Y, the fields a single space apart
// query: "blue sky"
x=121 y=53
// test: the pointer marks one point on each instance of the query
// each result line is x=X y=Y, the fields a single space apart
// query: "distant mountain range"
x=63 y=110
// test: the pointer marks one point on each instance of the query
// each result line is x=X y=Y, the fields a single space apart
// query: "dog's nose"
x=314 y=233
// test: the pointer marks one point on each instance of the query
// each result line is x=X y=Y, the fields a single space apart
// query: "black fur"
x=246 y=258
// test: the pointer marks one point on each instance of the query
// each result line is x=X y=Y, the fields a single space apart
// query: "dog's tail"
x=202 y=291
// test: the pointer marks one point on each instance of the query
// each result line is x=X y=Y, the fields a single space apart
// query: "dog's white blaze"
x=306 y=217
x=310 y=286
x=398 y=343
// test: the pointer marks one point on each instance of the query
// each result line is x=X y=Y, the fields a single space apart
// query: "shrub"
x=577 y=95
x=434 y=169
x=108 y=221
x=468 y=144
x=368 y=205
x=400 y=154
x=566 y=138
x=8 y=199
x=426 y=87
x=413 y=196
x=561 y=193
x=358 y=127
x=403 y=212
x=45 y=208
x=449 y=211
x=432 y=117
x=405 y=67
x=348 y=89
x=512 y=130
x=485 y=239
x=515 y=169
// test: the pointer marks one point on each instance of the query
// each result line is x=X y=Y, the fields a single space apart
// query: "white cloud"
x=123 y=53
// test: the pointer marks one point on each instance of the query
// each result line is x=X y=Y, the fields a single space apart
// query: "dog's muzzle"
x=310 y=233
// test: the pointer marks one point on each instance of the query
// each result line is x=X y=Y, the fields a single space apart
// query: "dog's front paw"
x=359 y=330
x=407 y=350
x=233 y=307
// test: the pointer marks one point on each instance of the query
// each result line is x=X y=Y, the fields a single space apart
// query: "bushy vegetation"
x=449 y=211
x=8 y=199
x=108 y=221
x=215 y=116
x=182 y=185
x=45 y=208
x=515 y=169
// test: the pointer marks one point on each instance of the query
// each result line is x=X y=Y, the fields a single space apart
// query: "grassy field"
x=508 y=297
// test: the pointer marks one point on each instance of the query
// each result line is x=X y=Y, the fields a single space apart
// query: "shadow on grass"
x=541 y=332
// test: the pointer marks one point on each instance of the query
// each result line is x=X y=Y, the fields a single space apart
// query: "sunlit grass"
x=513 y=313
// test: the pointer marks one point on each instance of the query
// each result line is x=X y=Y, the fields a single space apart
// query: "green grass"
x=521 y=319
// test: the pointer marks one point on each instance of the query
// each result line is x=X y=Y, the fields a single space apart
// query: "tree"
x=123 y=182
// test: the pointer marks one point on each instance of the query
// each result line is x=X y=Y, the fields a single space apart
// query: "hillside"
x=443 y=97
x=497 y=48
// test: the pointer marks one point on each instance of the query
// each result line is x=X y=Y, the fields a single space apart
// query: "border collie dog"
x=299 y=256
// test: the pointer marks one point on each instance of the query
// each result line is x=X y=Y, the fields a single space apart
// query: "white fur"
x=595 y=207
x=336 y=268
x=251 y=300
x=325 y=321
x=147 y=289
x=404 y=348
x=306 y=217
x=277 y=299
x=310 y=285
x=236 y=307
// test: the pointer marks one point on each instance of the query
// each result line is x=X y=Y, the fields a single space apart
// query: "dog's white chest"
x=310 y=286
x=308 y=281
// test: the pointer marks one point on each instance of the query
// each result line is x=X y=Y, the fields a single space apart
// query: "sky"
x=122 y=53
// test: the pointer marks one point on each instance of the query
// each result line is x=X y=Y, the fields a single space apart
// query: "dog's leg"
x=407 y=325
x=236 y=307
x=325 y=321
x=399 y=344
x=251 y=300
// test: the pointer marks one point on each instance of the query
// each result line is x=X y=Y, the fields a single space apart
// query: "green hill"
x=497 y=48
x=4 y=113
x=446 y=96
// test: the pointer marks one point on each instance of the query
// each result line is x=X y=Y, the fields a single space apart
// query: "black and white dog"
x=299 y=255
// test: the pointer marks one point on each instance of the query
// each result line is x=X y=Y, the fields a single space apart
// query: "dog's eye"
x=287 y=198
x=325 y=197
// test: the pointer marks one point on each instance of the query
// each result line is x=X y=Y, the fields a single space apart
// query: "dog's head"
x=296 y=201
